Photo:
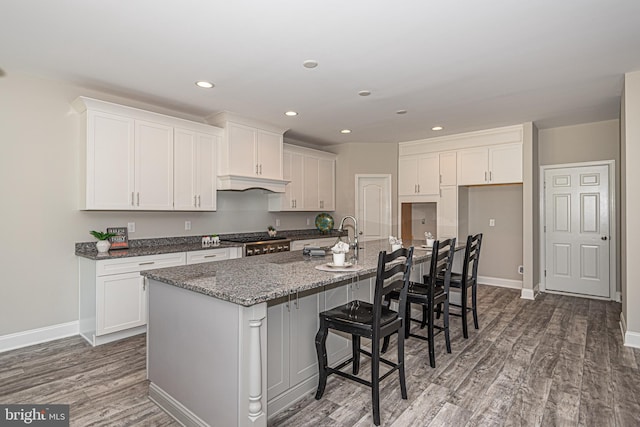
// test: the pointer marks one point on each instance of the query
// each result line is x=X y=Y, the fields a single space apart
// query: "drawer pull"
x=147 y=263
x=210 y=256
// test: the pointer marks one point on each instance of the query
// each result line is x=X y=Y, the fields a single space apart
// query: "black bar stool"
x=374 y=321
x=432 y=293
x=468 y=279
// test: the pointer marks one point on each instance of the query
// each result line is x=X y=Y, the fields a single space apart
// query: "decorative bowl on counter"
x=324 y=222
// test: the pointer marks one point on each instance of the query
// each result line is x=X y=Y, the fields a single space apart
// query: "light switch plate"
x=492 y=222
x=131 y=227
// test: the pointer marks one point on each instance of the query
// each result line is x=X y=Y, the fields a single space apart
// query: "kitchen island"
x=232 y=342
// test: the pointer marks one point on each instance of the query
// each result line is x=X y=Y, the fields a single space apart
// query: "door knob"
x=360 y=233
x=604 y=238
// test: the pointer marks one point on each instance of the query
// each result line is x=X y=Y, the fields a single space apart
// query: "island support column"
x=253 y=366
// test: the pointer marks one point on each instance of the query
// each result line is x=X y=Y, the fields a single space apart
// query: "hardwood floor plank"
x=555 y=361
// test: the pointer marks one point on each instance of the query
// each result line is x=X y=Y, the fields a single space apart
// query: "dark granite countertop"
x=165 y=245
x=252 y=280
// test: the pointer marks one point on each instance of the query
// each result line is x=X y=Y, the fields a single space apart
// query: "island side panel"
x=193 y=354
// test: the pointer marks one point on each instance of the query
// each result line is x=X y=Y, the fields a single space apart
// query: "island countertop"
x=252 y=280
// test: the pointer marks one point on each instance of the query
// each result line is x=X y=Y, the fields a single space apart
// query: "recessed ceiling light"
x=290 y=113
x=401 y=112
x=310 y=63
x=437 y=128
x=364 y=93
x=204 y=84
x=345 y=131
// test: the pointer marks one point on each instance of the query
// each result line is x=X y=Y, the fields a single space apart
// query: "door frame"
x=388 y=209
x=613 y=268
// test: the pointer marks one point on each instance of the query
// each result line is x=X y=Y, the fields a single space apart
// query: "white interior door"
x=577 y=234
x=373 y=203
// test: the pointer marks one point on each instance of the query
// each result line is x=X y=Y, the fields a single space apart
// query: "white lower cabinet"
x=113 y=294
x=292 y=324
x=121 y=302
x=292 y=364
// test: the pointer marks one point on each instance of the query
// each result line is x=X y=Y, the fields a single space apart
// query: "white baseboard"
x=37 y=336
x=529 y=294
x=503 y=283
x=174 y=408
x=630 y=339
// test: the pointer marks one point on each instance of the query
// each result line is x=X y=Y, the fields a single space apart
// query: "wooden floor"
x=555 y=361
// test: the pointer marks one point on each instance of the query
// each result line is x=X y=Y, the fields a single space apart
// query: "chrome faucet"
x=354 y=245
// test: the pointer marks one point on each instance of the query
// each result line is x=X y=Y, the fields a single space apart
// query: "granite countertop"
x=143 y=247
x=252 y=280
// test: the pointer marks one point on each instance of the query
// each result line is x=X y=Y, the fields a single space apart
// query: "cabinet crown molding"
x=220 y=119
x=82 y=103
x=502 y=135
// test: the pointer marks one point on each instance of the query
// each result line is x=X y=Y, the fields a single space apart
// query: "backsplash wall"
x=237 y=212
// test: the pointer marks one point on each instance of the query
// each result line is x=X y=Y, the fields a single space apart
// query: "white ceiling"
x=465 y=64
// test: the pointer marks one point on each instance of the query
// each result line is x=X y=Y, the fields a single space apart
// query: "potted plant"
x=103 y=243
x=272 y=231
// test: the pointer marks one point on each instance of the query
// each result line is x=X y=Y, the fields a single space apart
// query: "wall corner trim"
x=528 y=294
x=38 y=336
x=630 y=339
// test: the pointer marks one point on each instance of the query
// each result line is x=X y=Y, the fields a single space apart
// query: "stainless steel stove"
x=260 y=245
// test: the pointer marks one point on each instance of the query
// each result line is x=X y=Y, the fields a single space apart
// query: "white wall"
x=39 y=189
x=631 y=205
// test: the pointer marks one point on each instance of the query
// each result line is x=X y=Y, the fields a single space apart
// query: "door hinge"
x=545 y=273
x=545 y=228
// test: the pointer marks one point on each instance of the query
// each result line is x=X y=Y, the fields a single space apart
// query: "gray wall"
x=40 y=189
x=363 y=158
x=586 y=143
x=501 y=252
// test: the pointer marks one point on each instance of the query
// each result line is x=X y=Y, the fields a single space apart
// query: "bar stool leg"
x=375 y=379
x=474 y=292
x=321 y=350
x=355 y=349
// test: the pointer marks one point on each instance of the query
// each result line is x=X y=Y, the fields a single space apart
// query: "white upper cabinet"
x=327 y=184
x=448 y=167
x=418 y=175
x=153 y=166
x=194 y=170
x=110 y=163
x=292 y=171
x=499 y=164
x=505 y=164
x=250 y=154
x=311 y=177
x=129 y=159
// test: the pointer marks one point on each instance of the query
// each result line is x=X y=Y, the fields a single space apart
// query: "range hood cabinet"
x=241 y=183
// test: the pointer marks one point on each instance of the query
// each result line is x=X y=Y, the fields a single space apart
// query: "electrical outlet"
x=131 y=227
x=424 y=221
x=521 y=269
x=492 y=222
x=277 y=222
x=187 y=225
x=308 y=221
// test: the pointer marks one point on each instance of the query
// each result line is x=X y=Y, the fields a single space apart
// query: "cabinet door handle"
x=260 y=168
x=147 y=263
x=297 y=307
x=138 y=199
x=256 y=169
x=289 y=302
x=144 y=283
x=490 y=176
x=440 y=178
x=199 y=203
x=195 y=201
x=418 y=188
x=485 y=176
x=132 y=202
x=210 y=256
